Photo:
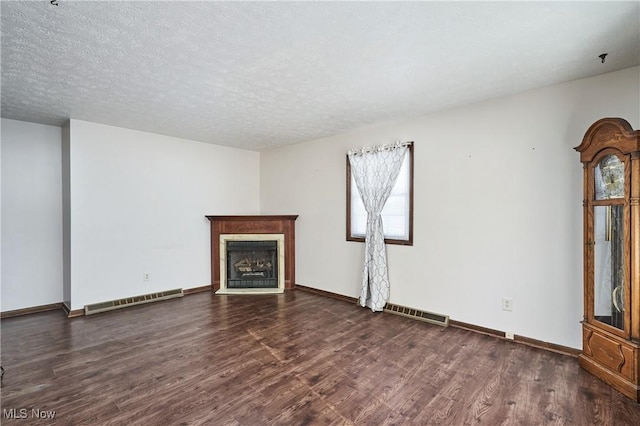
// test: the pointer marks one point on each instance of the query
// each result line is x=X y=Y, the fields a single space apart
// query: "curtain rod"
x=379 y=148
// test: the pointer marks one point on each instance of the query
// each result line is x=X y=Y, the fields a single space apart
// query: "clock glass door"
x=609 y=266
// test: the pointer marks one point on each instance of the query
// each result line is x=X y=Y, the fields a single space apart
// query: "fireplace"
x=251 y=263
x=252 y=254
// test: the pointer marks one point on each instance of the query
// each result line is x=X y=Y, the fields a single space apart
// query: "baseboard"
x=76 y=313
x=552 y=347
x=198 y=289
x=326 y=293
x=32 y=310
x=564 y=350
x=72 y=314
x=80 y=312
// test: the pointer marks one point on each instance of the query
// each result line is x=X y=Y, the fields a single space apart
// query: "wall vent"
x=429 y=317
x=131 y=301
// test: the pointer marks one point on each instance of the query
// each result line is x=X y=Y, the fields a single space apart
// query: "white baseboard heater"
x=131 y=301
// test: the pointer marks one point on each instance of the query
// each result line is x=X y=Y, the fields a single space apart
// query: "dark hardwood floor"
x=292 y=359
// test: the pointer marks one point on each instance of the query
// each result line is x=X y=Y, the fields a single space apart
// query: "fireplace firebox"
x=252 y=264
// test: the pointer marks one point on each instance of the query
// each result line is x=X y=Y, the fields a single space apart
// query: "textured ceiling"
x=266 y=74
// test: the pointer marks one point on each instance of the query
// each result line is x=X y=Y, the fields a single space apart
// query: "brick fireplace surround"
x=234 y=225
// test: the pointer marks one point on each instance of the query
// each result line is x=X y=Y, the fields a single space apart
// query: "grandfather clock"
x=610 y=154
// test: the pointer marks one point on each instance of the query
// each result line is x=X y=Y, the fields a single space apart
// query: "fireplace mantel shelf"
x=252 y=218
x=254 y=224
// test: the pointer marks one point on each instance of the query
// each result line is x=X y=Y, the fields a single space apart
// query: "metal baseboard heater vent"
x=131 y=301
x=429 y=317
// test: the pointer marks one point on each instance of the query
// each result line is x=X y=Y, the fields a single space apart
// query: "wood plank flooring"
x=291 y=359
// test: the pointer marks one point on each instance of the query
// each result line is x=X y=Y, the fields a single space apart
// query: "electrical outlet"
x=509 y=335
x=147 y=276
x=507 y=304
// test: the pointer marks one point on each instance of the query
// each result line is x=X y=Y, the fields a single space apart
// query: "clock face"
x=609 y=178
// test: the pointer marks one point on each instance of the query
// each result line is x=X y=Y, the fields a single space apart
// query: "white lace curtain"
x=375 y=171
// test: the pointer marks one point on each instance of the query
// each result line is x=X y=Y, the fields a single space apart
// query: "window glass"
x=396 y=215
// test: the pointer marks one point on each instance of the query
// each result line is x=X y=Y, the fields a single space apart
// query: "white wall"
x=31 y=215
x=66 y=214
x=138 y=203
x=498 y=207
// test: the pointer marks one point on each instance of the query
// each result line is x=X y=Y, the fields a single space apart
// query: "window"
x=397 y=215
